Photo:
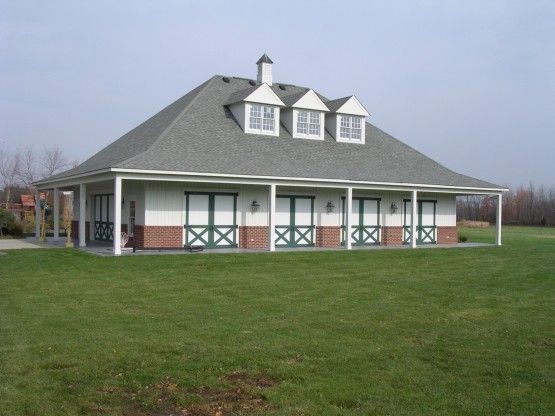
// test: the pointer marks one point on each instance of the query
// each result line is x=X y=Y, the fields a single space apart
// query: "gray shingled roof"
x=198 y=133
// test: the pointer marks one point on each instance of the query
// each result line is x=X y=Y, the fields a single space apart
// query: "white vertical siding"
x=163 y=203
x=446 y=210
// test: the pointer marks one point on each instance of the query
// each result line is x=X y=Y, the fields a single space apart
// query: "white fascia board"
x=353 y=107
x=310 y=101
x=264 y=95
x=294 y=181
x=97 y=176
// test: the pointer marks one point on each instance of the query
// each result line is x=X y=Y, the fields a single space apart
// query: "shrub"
x=7 y=221
x=462 y=238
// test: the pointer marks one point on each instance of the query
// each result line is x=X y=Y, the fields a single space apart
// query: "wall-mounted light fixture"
x=393 y=208
x=122 y=201
x=330 y=206
x=254 y=206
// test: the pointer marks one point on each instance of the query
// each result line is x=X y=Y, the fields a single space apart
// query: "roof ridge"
x=170 y=126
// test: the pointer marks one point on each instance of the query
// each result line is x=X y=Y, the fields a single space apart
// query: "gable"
x=352 y=106
x=264 y=95
x=308 y=100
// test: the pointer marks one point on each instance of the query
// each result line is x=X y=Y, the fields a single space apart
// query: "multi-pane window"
x=308 y=123
x=131 y=223
x=262 y=117
x=351 y=128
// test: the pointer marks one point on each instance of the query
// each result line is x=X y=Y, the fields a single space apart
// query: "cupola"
x=264 y=70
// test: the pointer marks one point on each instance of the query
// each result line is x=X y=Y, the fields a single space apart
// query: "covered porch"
x=245 y=214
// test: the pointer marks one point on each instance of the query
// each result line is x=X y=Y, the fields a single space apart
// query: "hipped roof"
x=197 y=133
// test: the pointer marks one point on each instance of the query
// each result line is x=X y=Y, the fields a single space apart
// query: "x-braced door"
x=104 y=217
x=294 y=221
x=365 y=226
x=426 y=225
x=210 y=219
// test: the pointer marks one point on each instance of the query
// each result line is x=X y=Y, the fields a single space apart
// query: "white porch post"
x=37 y=214
x=56 y=214
x=272 y=218
x=117 y=216
x=82 y=213
x=499 y=221
x=413 y=218
x=348 y=218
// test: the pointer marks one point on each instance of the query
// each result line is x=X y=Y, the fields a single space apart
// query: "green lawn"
x=466 y=331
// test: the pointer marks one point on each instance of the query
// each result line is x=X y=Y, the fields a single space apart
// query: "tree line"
x=523 y=205
x=19 y=169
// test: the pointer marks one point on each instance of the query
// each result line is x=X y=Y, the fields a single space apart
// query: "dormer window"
x=308 y=123
x=347 y=122
x=262 y=118
x=256 y=109
x=351 y=128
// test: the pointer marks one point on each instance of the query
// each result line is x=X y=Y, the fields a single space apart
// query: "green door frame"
x=428 y=231
x=103 y=230
x=294 y=235
x=211 y=235
x=362 y=235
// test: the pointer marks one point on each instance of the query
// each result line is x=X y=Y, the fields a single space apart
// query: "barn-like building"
x=256 y=164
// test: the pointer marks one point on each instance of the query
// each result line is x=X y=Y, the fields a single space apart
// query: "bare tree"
x=9 y=170
x=53 y=161
x=27 y=168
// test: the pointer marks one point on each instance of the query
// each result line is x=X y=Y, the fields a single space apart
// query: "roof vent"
x=252 y=82
x=282 y=87
x=225 y=79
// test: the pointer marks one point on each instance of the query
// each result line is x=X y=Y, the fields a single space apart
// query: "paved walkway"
x=105 y=249
x=15 y=243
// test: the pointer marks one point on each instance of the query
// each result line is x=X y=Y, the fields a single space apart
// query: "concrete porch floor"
x=105 y=249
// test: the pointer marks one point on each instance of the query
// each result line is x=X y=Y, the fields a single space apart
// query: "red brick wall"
x=139 y=238
x=253 y=237
x=159 y=236
x=328 y=236
x=75 y=230
x=447 y=235
x=392 y=236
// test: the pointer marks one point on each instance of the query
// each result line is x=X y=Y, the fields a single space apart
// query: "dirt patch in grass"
x=243 y=396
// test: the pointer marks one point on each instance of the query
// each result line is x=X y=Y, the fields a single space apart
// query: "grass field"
x=466 y=331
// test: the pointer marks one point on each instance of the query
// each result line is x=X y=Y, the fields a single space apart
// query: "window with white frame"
x=351 y=128
x=262 y=118
x=131 y=222
x=308 y=123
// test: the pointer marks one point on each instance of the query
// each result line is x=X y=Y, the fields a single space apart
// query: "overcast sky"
x=469 y=83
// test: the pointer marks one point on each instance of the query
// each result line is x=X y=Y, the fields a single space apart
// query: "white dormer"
x=304 y=115
x=257 y=110
x=347 y=124
x=264 y=70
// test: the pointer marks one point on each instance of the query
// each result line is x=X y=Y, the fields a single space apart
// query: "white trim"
x=161 y=175
x=56 y=214
x=117 y=215
x=272 y=218
x=499 y=220
x=348 y=218
x=38 y=214
x=82 y=214
x=321 y=125
x=413 y=218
